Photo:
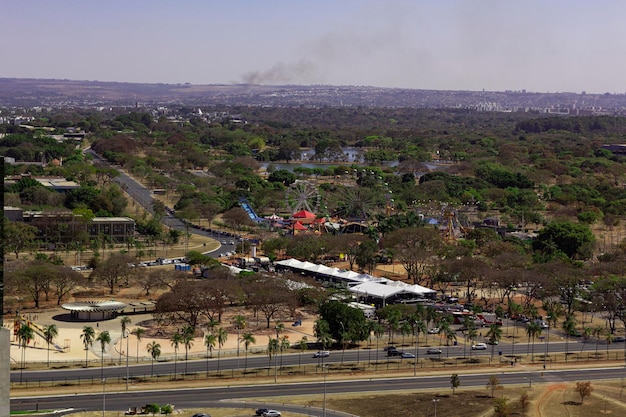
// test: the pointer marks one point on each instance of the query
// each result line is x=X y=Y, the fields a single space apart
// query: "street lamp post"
x=127 y=334
x=324 y=401
x=104 y=401
x=530 y=381
x=343 y=342
x=545 y=355
x=276 y=356
x=435 y=401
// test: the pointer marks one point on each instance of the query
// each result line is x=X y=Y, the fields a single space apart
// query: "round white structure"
x=94 y=310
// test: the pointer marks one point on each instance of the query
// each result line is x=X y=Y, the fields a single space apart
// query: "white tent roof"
x=354 y=277
x=375 y=289
x=413 y=289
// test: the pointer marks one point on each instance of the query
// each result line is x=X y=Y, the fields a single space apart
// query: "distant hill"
x=18 y=92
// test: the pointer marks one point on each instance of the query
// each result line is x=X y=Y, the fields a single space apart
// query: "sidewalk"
x=69 y=339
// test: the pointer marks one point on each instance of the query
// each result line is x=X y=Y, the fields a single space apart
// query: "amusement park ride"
x=451 y=227
x=302 y=195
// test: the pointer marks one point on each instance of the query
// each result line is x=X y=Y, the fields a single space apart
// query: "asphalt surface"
x=337 y=357
x=212 y=397
x=143 y=197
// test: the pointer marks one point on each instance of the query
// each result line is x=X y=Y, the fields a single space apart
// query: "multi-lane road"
x=143 y=196
x=456 y=353
x=209 y=397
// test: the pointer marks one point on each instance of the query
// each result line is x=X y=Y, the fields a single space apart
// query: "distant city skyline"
x=495 y=45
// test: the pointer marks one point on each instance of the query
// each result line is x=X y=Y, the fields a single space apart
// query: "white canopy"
x=383 y=285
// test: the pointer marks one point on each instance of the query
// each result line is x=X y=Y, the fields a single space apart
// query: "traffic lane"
x=261 y=362
x=199 y=397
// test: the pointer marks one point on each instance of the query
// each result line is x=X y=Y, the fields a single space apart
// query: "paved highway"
x=207 y=397
x=142 y=196
x=336 y=357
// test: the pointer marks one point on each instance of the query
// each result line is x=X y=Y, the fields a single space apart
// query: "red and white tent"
x=304 y=216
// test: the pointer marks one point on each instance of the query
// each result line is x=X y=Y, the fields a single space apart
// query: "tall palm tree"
x=50 y=332
x=222 y=337
x=553 y=310
x=609 y=340
x=212 y=324
x=533 y=329
x=472 y=334
x=280 y=328
x=405 y=330
x=587 y=332
x=444 y=328
x=468 y=325
x=418 y=326
x=393 y=321
x=138 y=332
x=124 y=322
x=430 y=314
x=379 y=332
x=210 y=340
x=87 y=336
x=284 y=345
x=25 y=334
x=248 y=339
x=597 y=332
x=515 y=310
x=104 y=338
x=175 y=341
x=272 y=349
x=303 y=345
x=154 y=349
x=450 y=337
x=569 y=326
x=494 y=335
x=240 y=324
x=188 y=333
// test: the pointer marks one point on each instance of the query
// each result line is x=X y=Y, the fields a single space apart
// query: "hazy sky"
x=537 y=45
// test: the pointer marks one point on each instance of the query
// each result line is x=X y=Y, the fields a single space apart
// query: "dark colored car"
x=261 y=411
x=394 y=352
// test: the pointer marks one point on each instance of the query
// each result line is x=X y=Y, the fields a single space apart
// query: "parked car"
x=321 y=354
x=271 y=413
x=479 y=346
x=407 y=355
x=617 y=339
x=261 y=411
x=433 y=351
x=434 y=330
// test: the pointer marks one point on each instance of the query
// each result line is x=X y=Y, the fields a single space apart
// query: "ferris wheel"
x=302 y=195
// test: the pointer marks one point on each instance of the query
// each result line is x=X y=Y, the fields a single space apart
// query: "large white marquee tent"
x=362 y=285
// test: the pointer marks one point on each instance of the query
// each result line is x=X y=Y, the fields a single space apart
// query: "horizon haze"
x=538 y=46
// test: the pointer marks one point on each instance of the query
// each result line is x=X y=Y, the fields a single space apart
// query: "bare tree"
x=415 y=248
x=584 y=389
x=113 y=271
x=269 y=295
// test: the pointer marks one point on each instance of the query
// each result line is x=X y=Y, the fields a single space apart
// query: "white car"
x=271 y=413
x=434 y=330
x=479 y=346
x=321 y=354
